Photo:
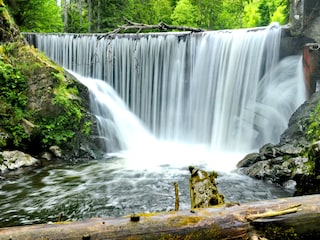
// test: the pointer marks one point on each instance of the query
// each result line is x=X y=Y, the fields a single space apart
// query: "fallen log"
x=287 y=218
x=163 y=27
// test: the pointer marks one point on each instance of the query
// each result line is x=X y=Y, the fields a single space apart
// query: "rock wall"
x=304 y=16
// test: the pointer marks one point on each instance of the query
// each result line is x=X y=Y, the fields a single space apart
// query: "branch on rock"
x=163 y=27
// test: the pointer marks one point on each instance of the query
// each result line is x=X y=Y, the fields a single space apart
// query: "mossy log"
x=287 y=218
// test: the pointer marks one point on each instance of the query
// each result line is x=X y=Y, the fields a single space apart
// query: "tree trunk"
x=99 y=16
x=288 y=218
x=80 y=12
x=89 y=16
x=65 y=16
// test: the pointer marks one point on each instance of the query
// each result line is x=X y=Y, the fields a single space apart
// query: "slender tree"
x=65 y=15
x=209 y=11
x=89 y=16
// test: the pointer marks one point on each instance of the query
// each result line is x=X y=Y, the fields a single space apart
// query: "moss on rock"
x=203 y=189
x=40 y=106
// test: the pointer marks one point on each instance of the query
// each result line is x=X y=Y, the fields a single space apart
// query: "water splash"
x=119 y=128
x=125 y=136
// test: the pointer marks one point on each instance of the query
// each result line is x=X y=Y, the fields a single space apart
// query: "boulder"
x=293 y=162
x=13 y=160
x=56 y=151
x=249 y=160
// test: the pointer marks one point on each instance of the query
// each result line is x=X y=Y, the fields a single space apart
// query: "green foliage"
x=77 y=18
x=209 y=11
x=87 y=128
x=106 y=15
x=186 y=14
x=162 y=11
x=140 y=11
x=280 y=15
x=251 y=16
x=53 y=131
x=313 y=132
x=37 y=15
x=56 y=124
x=274 y=10
x=62 y=128
x=231 y=15
x=13 y=98
x=11 y=84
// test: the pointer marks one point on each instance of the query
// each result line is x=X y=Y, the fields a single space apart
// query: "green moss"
x=13 y=99
x=313 y=131
x=212 y=233
x=62 y=114
x=86 y=128
x=273 y=232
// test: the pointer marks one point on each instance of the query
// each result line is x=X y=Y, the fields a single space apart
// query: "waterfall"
x=227 y=90
x=118 y=127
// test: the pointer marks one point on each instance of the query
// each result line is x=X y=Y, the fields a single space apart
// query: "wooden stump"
x=203 y=189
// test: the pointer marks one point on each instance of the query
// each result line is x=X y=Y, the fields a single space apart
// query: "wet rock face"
x=296 y=133
x=313 y=30
x=203 y=189
x=279 y=170
x=294 y=160
x=303 y=16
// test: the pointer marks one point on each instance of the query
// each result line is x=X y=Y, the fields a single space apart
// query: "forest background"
x=93 y=16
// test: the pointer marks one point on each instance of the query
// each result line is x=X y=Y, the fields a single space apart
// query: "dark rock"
x=290 y=149
x=295 y=134
x=269 y=151
x=249 y=160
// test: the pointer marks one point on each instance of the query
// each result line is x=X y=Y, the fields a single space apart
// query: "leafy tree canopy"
x=186 y=14
x=36 y=15
x=106 y=15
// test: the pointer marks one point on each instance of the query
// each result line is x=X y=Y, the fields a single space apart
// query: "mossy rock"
x=309 y=182
x=40 y=106
x=203 y=189
x=9 y=32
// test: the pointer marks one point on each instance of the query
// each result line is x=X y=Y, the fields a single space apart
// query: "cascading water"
x=198 y=92
x=220 y=89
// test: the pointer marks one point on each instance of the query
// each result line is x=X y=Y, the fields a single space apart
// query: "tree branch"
x=163 y=27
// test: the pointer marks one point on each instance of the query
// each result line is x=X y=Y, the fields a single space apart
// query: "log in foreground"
x=287 y=218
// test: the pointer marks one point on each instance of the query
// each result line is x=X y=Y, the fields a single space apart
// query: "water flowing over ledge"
x=191 y=94
x=222 y=89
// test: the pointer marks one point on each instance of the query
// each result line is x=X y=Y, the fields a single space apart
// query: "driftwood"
x=287 y=218
x=138 y=27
